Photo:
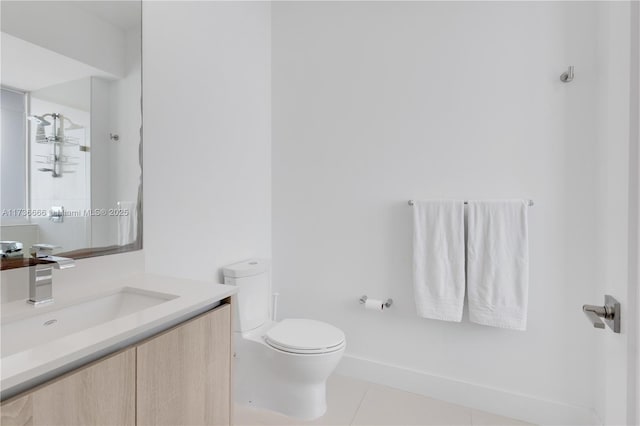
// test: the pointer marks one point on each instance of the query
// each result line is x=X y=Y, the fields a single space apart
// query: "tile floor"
x=356 y=402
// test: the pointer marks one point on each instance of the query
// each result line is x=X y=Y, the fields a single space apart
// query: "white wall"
x=378 y=103
x=207 y=189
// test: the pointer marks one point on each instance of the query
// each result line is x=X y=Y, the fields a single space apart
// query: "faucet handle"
x=42 y=250
x=61 y=262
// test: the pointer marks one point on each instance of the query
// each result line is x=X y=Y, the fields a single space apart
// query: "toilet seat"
x=304 y=336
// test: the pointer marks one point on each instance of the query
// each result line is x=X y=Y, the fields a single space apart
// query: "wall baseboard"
x=473 y=395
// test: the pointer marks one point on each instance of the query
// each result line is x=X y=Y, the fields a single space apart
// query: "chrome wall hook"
x=567 y=76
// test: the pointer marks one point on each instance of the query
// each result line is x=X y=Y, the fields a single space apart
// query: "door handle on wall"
x=610 y=313
x=594 y=313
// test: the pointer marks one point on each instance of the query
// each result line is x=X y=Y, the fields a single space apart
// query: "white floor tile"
x=386 y=406
x=246 y=416
x=355 y=402
x=482 y=418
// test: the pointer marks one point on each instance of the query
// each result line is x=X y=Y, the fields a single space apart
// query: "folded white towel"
x=127 y=223
x=438 y=259
x=498 y=263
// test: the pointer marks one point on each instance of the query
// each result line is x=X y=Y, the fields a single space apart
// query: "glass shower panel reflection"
x=60 y=163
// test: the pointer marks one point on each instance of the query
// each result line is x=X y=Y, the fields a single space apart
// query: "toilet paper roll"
x=374 y=304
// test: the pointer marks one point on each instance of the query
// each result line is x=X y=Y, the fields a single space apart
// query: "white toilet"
x=281 y=366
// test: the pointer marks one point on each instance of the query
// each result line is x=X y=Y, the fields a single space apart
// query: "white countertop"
x=22 y=370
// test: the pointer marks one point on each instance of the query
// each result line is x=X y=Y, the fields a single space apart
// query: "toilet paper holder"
x=387 y=304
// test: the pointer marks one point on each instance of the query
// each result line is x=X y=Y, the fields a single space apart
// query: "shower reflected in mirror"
x=65 y=180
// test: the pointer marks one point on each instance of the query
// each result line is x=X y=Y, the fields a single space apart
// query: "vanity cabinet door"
x=183 y=375
x=102 y=393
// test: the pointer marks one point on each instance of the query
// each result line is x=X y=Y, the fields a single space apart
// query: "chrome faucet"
x=41 y=275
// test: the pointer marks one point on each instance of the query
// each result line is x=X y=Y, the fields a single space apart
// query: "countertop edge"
x=24 y=370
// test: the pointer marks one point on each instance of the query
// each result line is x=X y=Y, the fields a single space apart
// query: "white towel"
x=438 y=259
x=127 y=224
x=498 y=263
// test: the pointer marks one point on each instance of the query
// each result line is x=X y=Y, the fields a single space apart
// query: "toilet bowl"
x=281 y=366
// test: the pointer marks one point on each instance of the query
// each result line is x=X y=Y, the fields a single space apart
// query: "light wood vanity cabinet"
x=179 y=377
x=183 y=378
x=102 y=393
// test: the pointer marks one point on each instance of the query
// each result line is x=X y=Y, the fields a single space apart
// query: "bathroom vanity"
x=164 y=361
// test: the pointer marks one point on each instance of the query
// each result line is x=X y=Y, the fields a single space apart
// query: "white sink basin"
x=52 y=322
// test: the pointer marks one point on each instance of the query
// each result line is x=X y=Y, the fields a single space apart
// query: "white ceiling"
x=29 y=67
x=124 y=14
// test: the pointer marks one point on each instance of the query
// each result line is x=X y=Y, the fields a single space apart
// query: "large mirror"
x=71 y=165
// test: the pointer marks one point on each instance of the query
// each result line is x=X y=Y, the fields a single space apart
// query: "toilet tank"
x=252 y=279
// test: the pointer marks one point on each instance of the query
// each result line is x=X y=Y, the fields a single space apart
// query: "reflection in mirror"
x=71 y=172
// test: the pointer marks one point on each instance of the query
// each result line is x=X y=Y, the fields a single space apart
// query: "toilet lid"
x=305 y=336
